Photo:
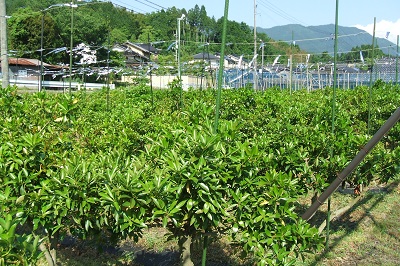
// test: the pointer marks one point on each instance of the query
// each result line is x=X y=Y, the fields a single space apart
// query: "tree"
x=118 y=35
x=101 y=23
x=239 y=34
x=193 y=18
x=149 y=34
x=324 y=57
x=25 y=33
x=165 y=22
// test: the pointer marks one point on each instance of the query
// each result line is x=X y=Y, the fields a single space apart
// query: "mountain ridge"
x=320 y=38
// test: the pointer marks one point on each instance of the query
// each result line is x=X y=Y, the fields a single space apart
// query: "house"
x=209 y=59
x=235 y=61
x=26 y=72
x=136 y=54
x=30 y=69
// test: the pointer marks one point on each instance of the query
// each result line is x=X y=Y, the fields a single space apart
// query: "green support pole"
x=328 y=216
x=71 y=45
x=370 y=79
x=41 y=53
x=179 y=60
x=221 y=66
x=151 y=82
x=397 y=61
x=218 y=101
x=108 y=68
x=291 y=64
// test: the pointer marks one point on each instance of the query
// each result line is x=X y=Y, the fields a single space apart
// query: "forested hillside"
x=100 y=24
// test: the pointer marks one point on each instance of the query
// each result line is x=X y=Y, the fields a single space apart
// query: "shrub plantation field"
x=111 y=165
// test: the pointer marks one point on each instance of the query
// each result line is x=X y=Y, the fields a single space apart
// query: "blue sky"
x=272 y=13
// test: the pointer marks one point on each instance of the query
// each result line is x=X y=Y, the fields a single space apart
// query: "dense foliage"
x=99 y=24
x=83 y=165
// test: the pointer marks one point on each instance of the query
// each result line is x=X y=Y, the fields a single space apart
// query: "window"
x=22 y=73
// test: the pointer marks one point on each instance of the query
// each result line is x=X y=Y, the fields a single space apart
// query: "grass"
x=366 y=234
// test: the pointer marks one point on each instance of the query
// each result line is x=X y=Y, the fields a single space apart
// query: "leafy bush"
x=76 y=166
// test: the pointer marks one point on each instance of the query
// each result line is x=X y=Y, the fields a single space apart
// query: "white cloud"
x=382 y=27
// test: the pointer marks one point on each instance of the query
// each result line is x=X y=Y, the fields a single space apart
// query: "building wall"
x=22 y=72
x=161 y=82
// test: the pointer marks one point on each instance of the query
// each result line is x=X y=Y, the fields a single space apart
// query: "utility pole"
x=255 y=47
x=4 y=48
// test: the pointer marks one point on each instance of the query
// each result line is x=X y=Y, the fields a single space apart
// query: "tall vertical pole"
x=291 y=63
x=262 y=55
x=262 y=65
x=397 y=61
x=71 y=45
x=176 y=41
x=179 y=48
x=370 y=77
x=202 y=68
x=108 y=67
x=179 y=59
x=151 y=82
x=255 y=46
x=221 y=66
x=328 y=216
x=218 y=101
x=41 y=54
x=4 y=48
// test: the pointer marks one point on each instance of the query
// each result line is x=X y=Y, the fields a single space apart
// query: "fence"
x=59 y=85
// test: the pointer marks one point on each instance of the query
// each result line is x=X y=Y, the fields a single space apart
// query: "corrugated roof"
x=146 y=47
x=29 y=62
x=205 y=56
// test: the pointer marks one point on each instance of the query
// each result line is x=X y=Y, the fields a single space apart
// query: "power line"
x=155 y=4
x=147 y=5
x=273 y=8
x=143 y=3
x=131 y=8
x=280 y=12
